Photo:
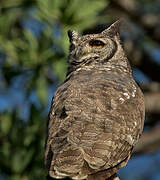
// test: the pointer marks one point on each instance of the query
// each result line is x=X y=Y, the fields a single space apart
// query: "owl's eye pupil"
x=96 y=43
x=72 y=47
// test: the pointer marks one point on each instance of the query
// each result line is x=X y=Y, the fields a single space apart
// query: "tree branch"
x=149 y=141
x=152 y=102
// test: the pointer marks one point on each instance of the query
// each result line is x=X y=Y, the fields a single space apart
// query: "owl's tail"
x=68 y=162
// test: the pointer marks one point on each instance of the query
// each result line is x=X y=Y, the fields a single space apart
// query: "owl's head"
x=94 y=48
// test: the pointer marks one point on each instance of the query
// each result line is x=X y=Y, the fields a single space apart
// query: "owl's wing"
x=61 y=157
x=117 y=123
x=108 y=120
x=89 y=125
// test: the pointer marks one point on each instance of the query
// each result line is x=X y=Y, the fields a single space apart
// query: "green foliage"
x=22 y=145
x=43 y=54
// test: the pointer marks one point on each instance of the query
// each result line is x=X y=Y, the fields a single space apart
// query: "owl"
x=97 y=114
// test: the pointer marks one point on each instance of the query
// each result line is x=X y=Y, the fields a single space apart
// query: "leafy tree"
x=33 y=49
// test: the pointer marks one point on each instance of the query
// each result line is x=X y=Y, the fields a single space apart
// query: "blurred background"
x=33 y=52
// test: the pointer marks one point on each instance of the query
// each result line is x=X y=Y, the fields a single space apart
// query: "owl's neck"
x=111 y=66
x=117 y=64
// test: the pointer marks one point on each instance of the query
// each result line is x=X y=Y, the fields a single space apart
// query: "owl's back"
x=95 y=120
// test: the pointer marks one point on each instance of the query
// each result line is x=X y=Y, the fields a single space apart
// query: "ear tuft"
x=73 y=35
x=114 y=29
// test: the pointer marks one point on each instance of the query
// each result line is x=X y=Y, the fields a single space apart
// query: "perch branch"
x=152 y=102
x=149 y=141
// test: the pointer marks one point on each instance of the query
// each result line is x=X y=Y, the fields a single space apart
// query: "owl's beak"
x=80 y=52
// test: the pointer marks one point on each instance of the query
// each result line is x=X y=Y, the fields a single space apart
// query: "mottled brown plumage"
x=97 y=114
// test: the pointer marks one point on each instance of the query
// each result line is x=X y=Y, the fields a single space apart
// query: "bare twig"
x=149 y=141
x=152 y=102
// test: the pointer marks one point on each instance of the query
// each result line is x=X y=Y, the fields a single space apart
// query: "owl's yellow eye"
x=96 y=44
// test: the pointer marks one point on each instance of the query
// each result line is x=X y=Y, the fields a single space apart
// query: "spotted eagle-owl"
x=97 y=114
